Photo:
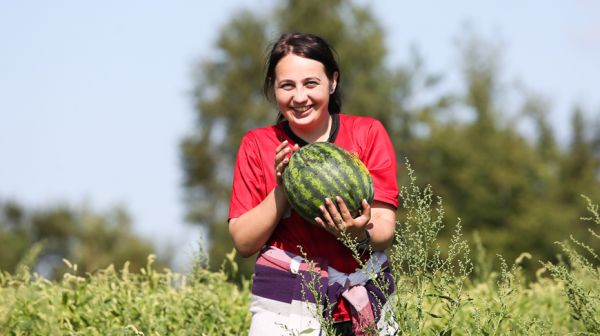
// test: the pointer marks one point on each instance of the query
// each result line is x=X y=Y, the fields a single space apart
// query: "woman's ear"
x=333 y=84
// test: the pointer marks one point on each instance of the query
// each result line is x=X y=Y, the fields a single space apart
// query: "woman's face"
x=302 y=91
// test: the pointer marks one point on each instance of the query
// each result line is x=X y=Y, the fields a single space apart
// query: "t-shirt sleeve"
x=248 y=181
x=380 y=159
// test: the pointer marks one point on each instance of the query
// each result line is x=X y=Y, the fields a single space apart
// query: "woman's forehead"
x=293 y=66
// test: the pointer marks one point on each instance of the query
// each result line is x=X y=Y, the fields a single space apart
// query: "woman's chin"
x=303 y=118
x=302 y=122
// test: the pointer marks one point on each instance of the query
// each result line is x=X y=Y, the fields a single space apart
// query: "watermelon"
x=321 y=170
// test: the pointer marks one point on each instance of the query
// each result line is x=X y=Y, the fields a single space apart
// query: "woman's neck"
x=316 y=134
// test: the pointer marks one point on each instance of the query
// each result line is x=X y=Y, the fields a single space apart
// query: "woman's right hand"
x=282 y=157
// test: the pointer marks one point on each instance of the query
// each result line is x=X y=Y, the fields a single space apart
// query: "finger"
x=328 y=220
x=280 y=158
x=282 y=154
x=324 y=225
x=281 y=146
x=282 y=163
x=344 y=212
x=326 y=215
x=279 y=168
x=337 y=219
x=366 y=210
x=333 y=210
x=282 y=149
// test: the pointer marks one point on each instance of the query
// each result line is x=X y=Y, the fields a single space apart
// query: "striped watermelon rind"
x=324 y=170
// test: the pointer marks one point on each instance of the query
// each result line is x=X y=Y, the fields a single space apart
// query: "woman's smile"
x=301 y=109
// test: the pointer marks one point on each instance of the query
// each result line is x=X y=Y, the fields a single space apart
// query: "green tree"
x=581 y=164
x=580 y=170
x=89 y=239
x=518 y=192
x=229 y=102
x=14 y=236
x=537 y=109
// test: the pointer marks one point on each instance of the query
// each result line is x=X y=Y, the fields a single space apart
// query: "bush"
x=111 y=302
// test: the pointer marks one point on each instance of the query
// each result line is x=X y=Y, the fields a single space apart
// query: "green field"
x=440 y=291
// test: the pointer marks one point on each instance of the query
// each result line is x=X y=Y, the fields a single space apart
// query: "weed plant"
x=581 y=280
x=111 y=302
x=440 y=291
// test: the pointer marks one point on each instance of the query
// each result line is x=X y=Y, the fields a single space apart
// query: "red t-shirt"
x=254 y=178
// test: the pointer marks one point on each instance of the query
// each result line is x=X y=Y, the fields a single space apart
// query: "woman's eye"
x=312 y=84
x=286 y=86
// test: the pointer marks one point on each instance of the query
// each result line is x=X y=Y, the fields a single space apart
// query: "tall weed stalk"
x=581 y=277
x=430 y=283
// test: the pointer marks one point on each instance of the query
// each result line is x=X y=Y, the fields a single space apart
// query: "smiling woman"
x=303 y=78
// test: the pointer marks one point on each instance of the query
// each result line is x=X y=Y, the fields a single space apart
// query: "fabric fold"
x=302 y=286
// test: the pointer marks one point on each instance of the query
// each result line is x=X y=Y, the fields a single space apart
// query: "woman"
x=304 y=79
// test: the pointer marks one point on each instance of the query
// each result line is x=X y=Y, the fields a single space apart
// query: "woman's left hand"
x=336 y=221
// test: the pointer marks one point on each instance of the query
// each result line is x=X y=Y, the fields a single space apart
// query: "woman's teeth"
x=301 y=109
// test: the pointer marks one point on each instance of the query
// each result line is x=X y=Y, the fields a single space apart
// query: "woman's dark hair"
x=307 y=46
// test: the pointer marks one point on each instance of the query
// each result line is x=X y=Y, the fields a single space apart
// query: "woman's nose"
x=300 y=95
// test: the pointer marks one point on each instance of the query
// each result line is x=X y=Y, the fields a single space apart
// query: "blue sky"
x=94 y=96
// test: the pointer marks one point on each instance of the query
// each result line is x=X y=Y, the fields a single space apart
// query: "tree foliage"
x=228 y=103
x=518 y=192
x=41 y=238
